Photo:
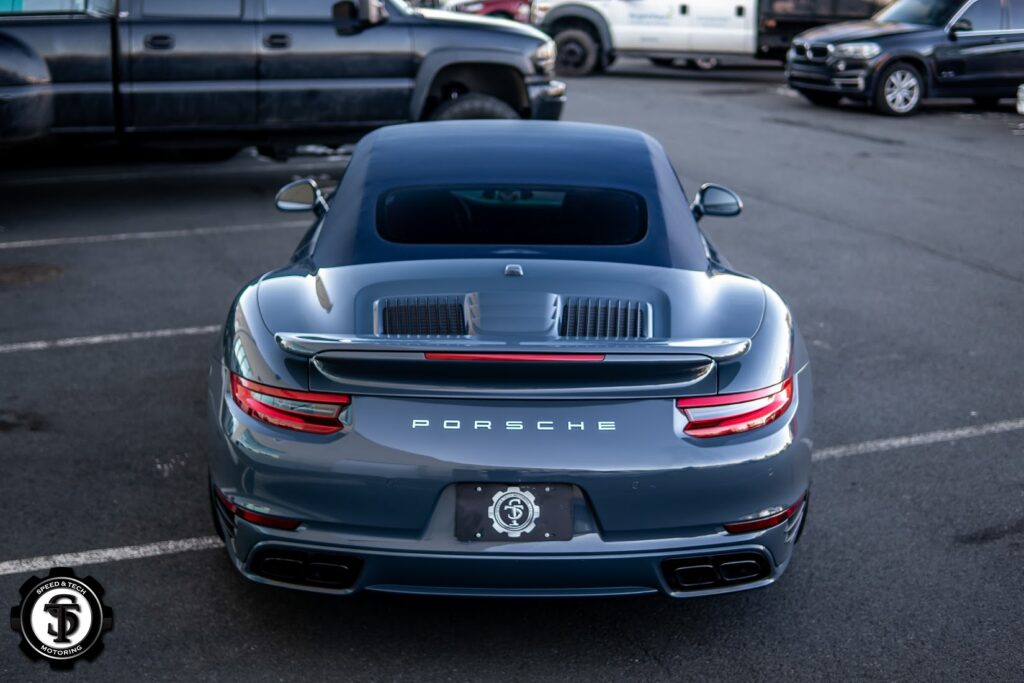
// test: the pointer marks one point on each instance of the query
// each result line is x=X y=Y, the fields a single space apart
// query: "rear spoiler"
x=312 y=344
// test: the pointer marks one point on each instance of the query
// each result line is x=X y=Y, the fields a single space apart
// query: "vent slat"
x=422 y=316
x=589 y=318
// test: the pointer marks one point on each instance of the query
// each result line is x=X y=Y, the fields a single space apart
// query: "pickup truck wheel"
x=473 y=106
x=821 y=99
x=577 y=52
x=899 y=90
x=702 y=63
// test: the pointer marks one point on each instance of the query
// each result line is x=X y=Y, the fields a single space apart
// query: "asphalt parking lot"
x=898 y=243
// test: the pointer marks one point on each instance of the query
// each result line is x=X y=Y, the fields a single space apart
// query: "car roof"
x=531 y=153
x=540 y=152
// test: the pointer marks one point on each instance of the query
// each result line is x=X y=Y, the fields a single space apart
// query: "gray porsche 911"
x=506 y=361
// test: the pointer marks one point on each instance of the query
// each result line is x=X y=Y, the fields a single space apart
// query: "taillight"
x=723 y=414
x=305 y=411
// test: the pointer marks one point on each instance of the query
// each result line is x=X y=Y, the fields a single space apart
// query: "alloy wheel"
x=902 y=91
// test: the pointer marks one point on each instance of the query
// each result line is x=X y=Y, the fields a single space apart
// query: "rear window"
x=512 y=215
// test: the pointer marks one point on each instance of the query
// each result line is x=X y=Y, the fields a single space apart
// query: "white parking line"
x=107 y=339
x=133 y=552
x=940 y=436
x=151 y=235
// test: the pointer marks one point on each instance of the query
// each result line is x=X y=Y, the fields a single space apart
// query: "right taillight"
x=709 y=416
x=305 y=411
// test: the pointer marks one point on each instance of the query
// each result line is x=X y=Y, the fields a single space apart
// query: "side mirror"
x=715 y=200
x=301 y=195
x=962 y=25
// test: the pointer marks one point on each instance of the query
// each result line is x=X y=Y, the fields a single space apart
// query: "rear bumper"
x=547 y=100
x=383 y=503
x=524 y=573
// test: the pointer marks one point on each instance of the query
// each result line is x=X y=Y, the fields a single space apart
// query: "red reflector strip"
x=746 y=527
x=268 y=520
x=255 y=517
x=225 y=501
x=521 y=357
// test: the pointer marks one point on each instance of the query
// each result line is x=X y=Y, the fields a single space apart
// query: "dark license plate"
x=513 y=512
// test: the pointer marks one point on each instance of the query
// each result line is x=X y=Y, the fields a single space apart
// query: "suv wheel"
x=473 y=106
x=821 y=99
x=899 y=90
x=577 y=52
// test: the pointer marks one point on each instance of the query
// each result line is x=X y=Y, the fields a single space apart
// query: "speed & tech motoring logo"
x=61 y=618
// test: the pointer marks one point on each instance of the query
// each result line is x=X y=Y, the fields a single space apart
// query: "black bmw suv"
x=911 y=50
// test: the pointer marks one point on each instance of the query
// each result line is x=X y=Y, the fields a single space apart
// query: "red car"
x=519 y=10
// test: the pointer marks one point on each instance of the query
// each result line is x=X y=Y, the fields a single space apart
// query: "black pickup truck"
x=236 y=72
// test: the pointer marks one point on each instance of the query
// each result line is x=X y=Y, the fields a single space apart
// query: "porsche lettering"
x=516 y=425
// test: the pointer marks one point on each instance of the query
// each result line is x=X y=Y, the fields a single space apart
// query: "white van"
x=591 y=33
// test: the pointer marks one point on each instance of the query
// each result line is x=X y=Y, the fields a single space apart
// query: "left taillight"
x=709 y=416
x=304 y=411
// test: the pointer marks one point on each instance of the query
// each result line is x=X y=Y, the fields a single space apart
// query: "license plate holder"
x=513 y=512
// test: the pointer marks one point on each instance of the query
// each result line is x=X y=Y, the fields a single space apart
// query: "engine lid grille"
x=432 y=316
x=594 y=318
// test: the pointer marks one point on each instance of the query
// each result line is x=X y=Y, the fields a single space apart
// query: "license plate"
x=513 y=512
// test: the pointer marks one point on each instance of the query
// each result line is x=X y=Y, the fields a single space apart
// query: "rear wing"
x=311 y=344
x=469 y=368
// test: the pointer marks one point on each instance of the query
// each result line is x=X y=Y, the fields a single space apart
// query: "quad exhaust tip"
x=715 y=571
x=320 y=570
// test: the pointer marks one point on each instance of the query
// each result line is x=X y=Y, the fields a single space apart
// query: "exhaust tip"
x=320 y=570
x=713 y=571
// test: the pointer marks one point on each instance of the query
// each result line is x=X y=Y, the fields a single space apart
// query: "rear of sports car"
x=511 y=439
x=519 y=372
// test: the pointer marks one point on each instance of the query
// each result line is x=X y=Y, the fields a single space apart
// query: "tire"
x=702 y=63
x=821 y=99
x=473 y=106
x=987 y=103
x=899 y=90
x=662 y=61
x=578 y=53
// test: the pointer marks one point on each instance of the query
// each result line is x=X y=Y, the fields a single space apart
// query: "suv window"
x=985 y=15
x=193 y=9
x=512 y=216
